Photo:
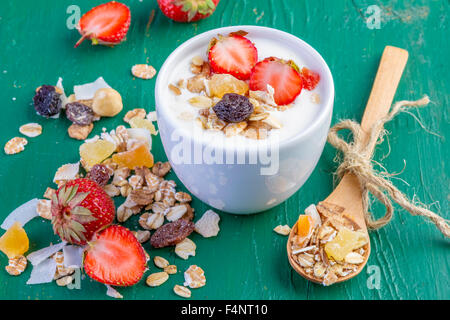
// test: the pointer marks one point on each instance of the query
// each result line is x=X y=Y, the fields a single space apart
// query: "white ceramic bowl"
x=242 y=188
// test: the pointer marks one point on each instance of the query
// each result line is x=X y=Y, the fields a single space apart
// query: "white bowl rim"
x=328 y=109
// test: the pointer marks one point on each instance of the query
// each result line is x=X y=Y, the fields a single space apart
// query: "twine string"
x=357 y=160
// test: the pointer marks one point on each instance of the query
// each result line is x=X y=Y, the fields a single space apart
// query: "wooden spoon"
x=348 y=193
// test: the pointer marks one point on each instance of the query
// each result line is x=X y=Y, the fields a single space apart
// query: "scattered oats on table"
x=138 y=112
x=185 y=248
x=283 y=230
x=194 y=277
x=78 y=132
x=31 y=130
x=43 y=208
x=157 y=279
x=15 y=145
x=143 y=71
x=182 y=291
x=16 y=265
x=208 y=224
x=160 y=262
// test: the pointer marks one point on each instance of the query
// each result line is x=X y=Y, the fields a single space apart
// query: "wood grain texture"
x=247 y=260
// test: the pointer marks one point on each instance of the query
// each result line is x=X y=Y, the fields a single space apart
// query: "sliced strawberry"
x=115 y=257
x=310 y=79
x=105 y=24
x=281 y=75
x=234 y=54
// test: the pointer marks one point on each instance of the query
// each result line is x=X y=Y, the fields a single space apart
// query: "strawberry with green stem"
x=188 y=10
x=79 y=209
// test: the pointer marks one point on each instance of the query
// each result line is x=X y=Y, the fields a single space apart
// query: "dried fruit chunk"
x=78 y=132
x=143 y=71
x=100 y=174
x=304 y=225
x=172 y=233
x=16 y=265
x=345 y=242
x=15 y=145
x=208 y=225
x=137 y=157
x=47 y=101
x=185 y=248
x=79 y=113
x=220 y=84
x=310 y=79
x=15 y=241
x=157 y=279
x=233 y=108
x=93 y=153
x=194 y=277
x=31 y=129
x=138 y=122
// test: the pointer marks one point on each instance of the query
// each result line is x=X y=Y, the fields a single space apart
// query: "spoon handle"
x=388 y=76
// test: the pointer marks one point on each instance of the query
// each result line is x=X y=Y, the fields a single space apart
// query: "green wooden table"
x=247 y=260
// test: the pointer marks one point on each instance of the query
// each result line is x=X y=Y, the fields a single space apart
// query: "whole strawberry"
x=79 y=209
x=105 y=24
x=188 y=10
x=115 y=257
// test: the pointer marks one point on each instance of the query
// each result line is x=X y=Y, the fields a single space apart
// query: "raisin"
x=172 y=233
x=233 y=108
x=100 y=174
x=47 y=102
x=79 y=113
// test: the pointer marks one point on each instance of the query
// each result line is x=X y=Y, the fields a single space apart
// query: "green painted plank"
x=246 y=260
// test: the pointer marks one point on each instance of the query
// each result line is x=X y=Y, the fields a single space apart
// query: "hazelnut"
x=107 y=102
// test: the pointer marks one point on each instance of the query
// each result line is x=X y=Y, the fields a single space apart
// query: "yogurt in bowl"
x=244 y=166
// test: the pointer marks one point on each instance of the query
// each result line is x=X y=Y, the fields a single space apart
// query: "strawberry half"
x=115 y=257
x=188 y=10
x=281 y=75
x=79 y=209
x=105 y=24
x=234 y=54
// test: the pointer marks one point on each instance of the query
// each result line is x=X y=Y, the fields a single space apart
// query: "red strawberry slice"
x=115 y=257
x=280 y=75
x=105 y=24
x=235 y=55
x=310 y=79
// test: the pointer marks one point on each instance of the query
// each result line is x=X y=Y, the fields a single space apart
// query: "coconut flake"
x=73 y=256
x=64 y=99
x=22 y=214
x=68 y=171
x=140 y=134
x=314 y=214
x=111 y=292
x=43 y=272
x=152 y=116
x=39 y=256
x=87 y=91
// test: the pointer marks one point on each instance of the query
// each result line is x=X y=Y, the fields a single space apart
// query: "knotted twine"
x=357 y=160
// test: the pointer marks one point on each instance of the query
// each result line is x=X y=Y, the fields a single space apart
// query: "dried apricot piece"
x=95 y=152
x=304 y=225
x=139 y=156
x=14 y=242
